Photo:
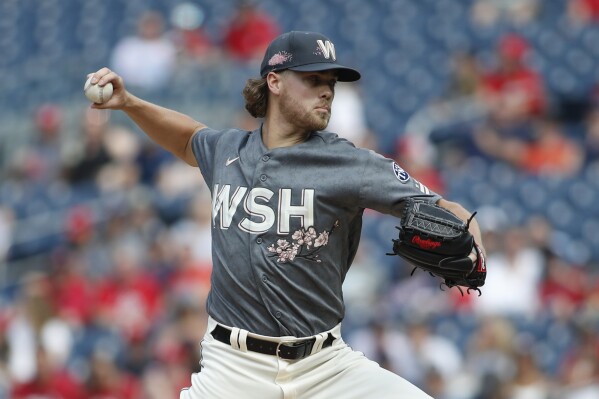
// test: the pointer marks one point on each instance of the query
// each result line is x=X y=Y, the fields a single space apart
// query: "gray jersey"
x=287 y=223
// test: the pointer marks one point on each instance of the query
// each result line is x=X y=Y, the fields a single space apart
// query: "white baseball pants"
x=336 y=372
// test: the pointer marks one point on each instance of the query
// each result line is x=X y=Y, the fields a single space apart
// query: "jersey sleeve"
x=203 y=145
x=385 y=184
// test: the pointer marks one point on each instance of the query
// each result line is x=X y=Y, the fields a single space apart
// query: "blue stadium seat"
x=503 y=176
x=589 y=40
x=591 y=175
x=589 y=228
x=533 y=195
x=582 y=195
x=560 y=213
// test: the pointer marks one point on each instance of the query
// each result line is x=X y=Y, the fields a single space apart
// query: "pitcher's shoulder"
x=331 y=138
x=229 y=133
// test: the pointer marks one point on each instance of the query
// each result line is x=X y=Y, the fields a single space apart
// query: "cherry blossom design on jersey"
x=305 y=244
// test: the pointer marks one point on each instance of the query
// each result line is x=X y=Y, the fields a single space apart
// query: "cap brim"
x=345 y=74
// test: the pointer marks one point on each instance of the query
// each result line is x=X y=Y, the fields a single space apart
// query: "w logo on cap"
x=327 y=48
x=304 y=52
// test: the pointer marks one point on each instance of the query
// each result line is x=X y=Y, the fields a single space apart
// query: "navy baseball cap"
x=304 y=52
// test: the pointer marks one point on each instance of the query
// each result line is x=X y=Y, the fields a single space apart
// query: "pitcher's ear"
x=273 y=80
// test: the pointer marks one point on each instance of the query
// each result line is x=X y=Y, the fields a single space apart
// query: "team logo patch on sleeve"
x=401 y=174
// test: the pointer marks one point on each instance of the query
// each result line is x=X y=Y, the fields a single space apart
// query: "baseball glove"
x=435 y=240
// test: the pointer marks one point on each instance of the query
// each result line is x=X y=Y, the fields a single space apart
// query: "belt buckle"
x=300 y=350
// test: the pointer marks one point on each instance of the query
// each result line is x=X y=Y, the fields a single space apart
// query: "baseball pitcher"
x=287 y=205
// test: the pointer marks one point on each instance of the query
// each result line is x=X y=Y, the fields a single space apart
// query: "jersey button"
x=259 y=240
x=265 y=158
x=264 y=278
x=263 y=177
x=278 y=315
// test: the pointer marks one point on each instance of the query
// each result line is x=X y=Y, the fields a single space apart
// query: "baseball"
x=97 y=94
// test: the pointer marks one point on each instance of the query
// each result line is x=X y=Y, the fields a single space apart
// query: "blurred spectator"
x=506 y=96
x=549 y=152
x=486 y=13
x=541 y=234
x=124 y=148
x=118 y=177
x=529 y=381
x=363 y=286
x=449 y=120
x=428 y=352
x=50 y=381
x=380 y=341
x=34 y=308
x=249 y=32
x=95 y=336
x=123 y=173
x=170 y=373
x=415 y=353
x=580 y=370
x=583 y=11
x=348 y=117
x=189 y=33
x=129 y=299
x=489 y=358
x=79 y=225
x=158 y=384
x=564 y=288
x=41 y=160
x=146 y=60
x=122 y=145
x=466 y=76
x=591 y=137
x=106 y=380
x=86 y=161
x=136 y=354
x=590 y=310
x=190 y=281
x=192 y=232
x=144 y=221
x=5 y=381
x=515 y=272
x=512 y=90
x=73 y=291
x=150 y=159
x=177 y=179
x=175 y=345
x=6 y=232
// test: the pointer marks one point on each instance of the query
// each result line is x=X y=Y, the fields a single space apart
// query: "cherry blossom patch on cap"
x=279 y=58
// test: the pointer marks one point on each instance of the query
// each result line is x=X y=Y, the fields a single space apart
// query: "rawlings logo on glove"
x=425 y=244
x=435 y=240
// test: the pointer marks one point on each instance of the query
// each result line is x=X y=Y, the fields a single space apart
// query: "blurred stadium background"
x=104 y=238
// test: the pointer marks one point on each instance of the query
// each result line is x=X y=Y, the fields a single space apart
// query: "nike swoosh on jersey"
x=230 y=161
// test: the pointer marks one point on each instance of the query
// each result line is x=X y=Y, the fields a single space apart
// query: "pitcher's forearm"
x=168 y=128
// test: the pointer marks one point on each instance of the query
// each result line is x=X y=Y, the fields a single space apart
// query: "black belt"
x=290 y=351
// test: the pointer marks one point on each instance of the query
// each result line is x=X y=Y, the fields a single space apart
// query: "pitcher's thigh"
x=353 y=376
x=230 y=374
